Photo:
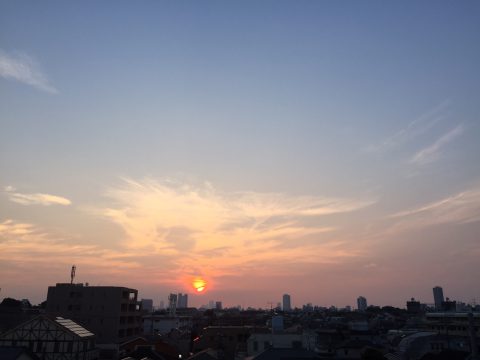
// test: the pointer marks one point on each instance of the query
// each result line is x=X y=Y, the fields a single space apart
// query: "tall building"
x=361 y=303
x=112 y=313
x=287 y=306
x=438 y=297
x=182 y=301
x=172 y=304
x=147 y=305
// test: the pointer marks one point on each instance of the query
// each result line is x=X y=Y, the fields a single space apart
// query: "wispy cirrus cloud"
x=28 y=245
x=432 y=152
x=35 y=198
x=22 y=67
x=414 y=129
x=190 y=223
x=461 y=208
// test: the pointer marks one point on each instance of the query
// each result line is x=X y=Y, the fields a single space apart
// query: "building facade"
x=112 y=313
x=182 y=301
x=52 y=339
x=147 y=305
x=438 y=297
x=286 y=304
x=361 y=303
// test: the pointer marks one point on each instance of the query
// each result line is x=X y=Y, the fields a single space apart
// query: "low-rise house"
x=52 y=339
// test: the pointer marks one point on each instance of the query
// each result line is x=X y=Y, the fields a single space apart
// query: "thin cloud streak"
x=432 y=152
x=461 y=208
x=25 y=243
x=36 y=198
x=21 y=67
x=414 y=129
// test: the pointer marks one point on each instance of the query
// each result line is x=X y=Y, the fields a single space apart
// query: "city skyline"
x=241 y=151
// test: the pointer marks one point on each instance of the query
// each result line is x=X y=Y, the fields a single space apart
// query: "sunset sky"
x=325 y=149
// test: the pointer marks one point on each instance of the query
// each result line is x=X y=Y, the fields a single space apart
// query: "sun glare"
x=199 y=285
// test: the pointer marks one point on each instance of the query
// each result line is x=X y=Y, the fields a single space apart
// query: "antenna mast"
x=72 y=274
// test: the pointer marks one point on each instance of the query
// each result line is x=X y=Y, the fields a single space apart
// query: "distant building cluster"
x=81 y=322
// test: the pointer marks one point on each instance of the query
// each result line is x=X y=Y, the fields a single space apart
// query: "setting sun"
x=199 y=285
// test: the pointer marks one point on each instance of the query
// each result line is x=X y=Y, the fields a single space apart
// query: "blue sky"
x=336 y=136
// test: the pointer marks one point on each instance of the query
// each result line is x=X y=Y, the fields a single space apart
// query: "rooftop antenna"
x=271 y=305
x=72 y=274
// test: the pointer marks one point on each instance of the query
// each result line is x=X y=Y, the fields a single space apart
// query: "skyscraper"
x=361 y=303
x=287 y=306
x=182 y=301
x=438 y=297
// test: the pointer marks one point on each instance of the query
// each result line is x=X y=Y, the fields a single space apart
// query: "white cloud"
x=431 y=153
x=35 y=199
x=23 y=68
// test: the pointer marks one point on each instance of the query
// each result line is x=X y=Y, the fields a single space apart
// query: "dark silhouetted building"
x=449 y=305
x=361 y=303
x=438 y=297
x=287 y=306
x=414 y=306
x=52 y=339
x=147 y=305
x=182 y=301
x=112 y=313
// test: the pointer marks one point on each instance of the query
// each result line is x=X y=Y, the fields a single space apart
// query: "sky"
x=322 y=149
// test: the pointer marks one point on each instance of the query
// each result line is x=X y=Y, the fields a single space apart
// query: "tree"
x=11 y=303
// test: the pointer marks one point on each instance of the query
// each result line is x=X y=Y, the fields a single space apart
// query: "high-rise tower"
x=361 y=303
x=438 y=297
x=287 y=306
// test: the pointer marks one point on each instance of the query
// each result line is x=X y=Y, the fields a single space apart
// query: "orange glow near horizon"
x=199 y=285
